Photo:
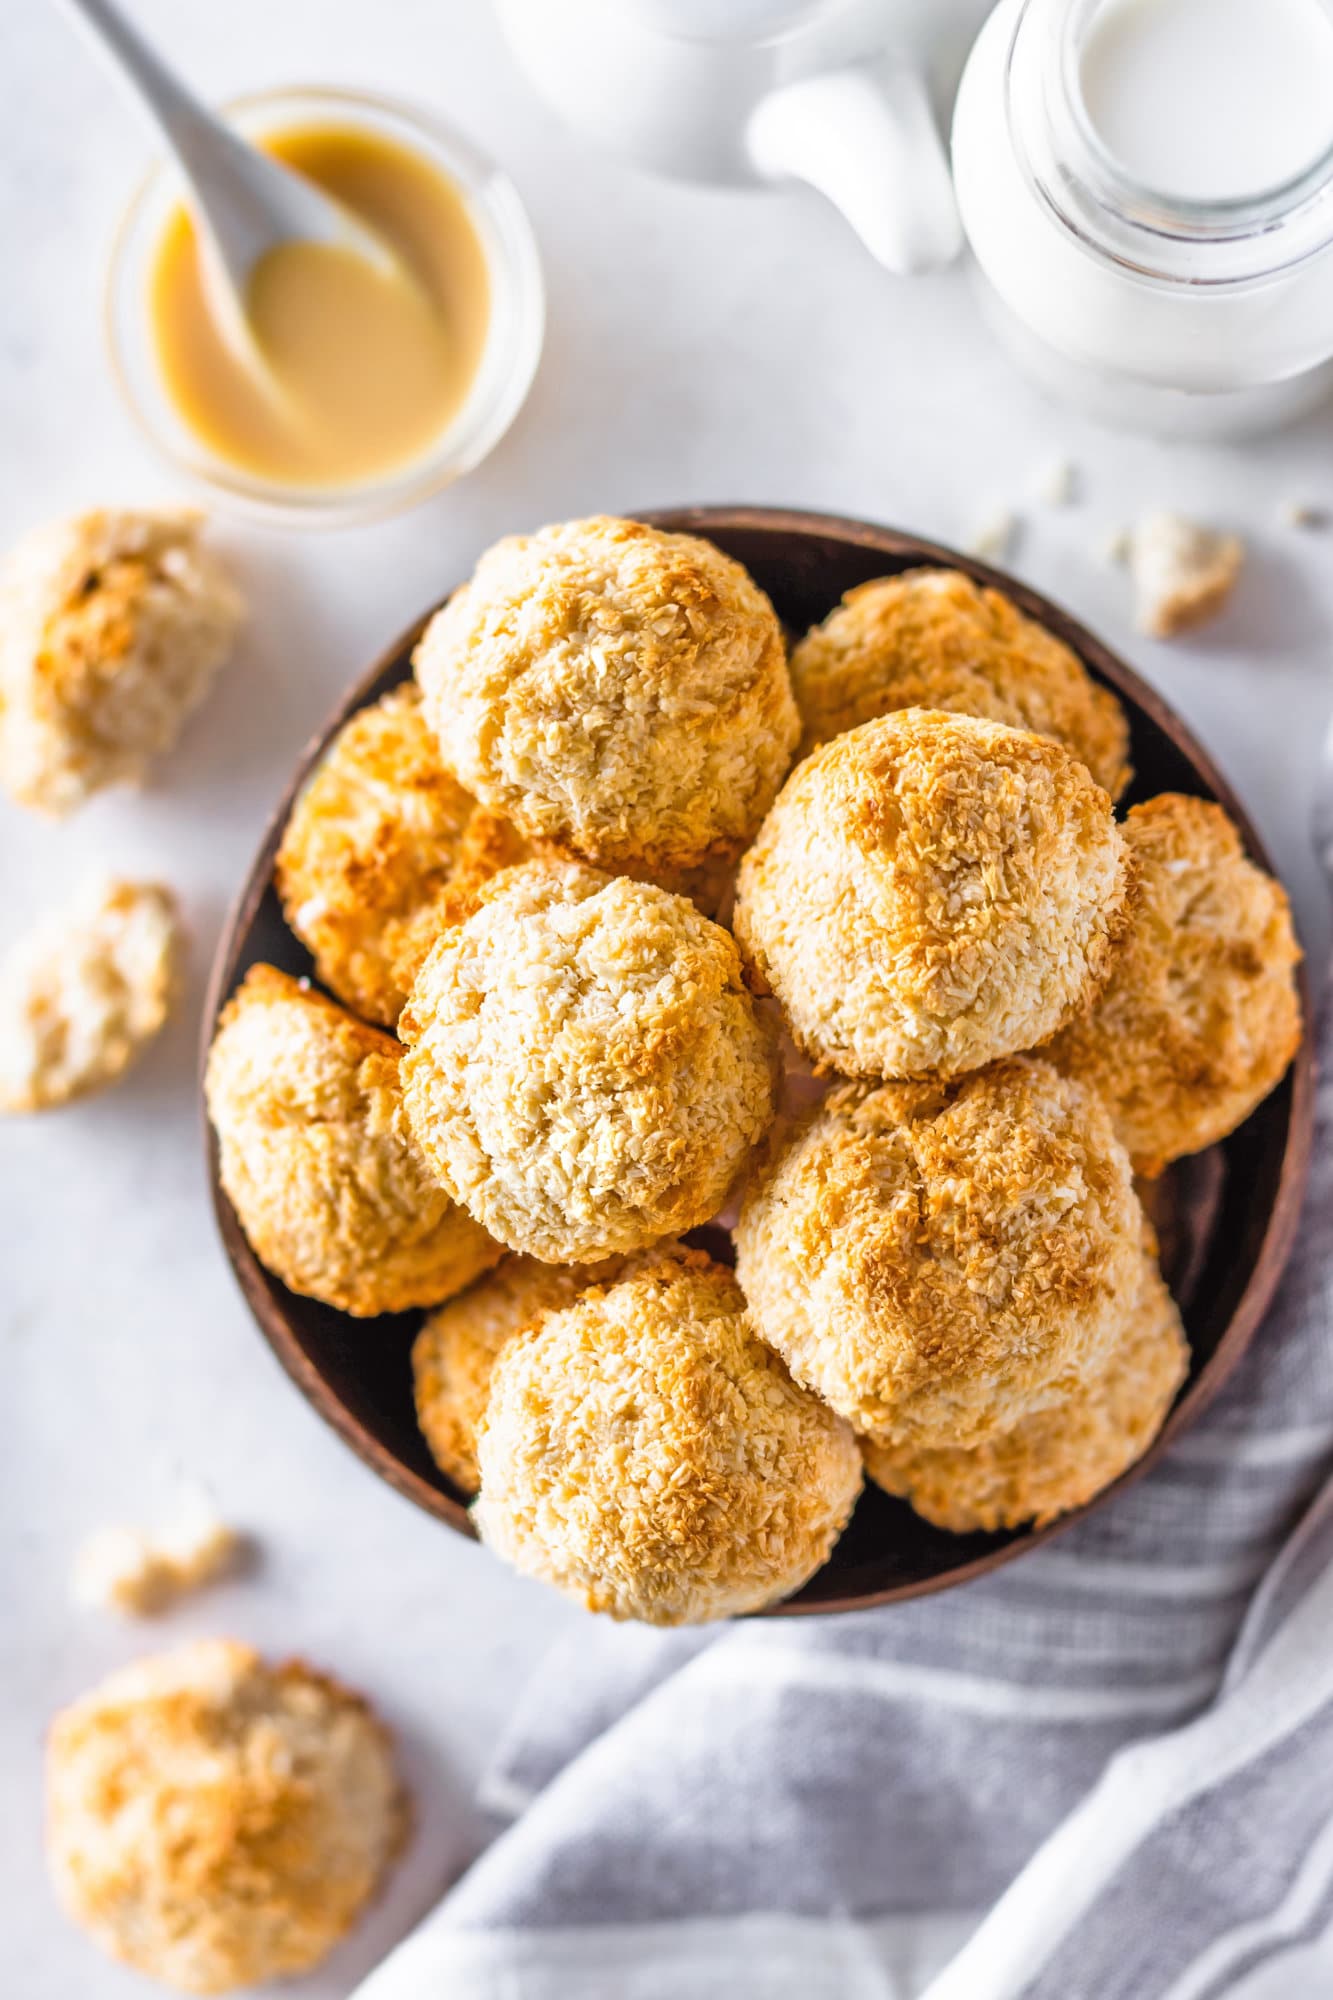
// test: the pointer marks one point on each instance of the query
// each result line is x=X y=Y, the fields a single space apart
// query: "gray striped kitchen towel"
x=1103 y=1774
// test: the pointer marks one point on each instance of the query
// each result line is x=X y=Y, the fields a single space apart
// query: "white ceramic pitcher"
x=843 y=94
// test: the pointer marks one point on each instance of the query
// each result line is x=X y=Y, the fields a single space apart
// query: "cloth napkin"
x=1105 y=1773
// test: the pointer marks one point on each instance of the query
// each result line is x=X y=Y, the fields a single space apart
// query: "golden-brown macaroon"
x=932 y=1259
x=1062 y=1455
x=930 y=892
x=1200 y=1016
x=83 y=994
x=615 y=689
x=586 y=1071
x=456 y=1349
x=216 y=1822
x=382 y=850
x=647 y=1454
x=112 y=626
x=317 y=1159
x=931 y=638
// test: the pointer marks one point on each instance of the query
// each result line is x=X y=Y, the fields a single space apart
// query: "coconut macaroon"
x=930 y=892
x=456 y=1350
x=214 y=1821
x=586 y=1071
x=1062 y=1455
x=318 y=1161
x=382 y=850
x=615 y=689
x=1200 y=1016
x=932 y=638
x=644 y=1452
x=112 y=626
x=85 y=992
x=933 y=1259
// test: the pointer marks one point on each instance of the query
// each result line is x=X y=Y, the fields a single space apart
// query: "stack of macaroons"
x=1010 y=1000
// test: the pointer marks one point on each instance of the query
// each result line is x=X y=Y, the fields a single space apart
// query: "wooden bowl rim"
x=1284 y=1214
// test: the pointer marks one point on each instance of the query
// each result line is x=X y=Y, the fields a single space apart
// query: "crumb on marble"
x=1056 y=483
x=995 y=535
x=1184 y=573
x=142 y=1573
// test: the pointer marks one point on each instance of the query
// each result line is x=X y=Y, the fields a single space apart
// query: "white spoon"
x=245 y=202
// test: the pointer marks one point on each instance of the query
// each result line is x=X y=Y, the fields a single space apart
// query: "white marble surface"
x=701 y=347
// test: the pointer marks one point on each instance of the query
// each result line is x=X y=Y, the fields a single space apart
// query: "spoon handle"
x=245 y=201
x=175 y=109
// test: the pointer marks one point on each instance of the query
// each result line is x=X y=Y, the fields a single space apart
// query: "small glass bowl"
x=509 y=358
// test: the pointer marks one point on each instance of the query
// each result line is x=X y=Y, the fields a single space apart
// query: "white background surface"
x=701 y=347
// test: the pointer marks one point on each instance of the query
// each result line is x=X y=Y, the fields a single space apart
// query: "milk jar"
x=1147 y=186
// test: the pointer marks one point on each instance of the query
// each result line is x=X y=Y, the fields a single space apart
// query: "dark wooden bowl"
x=1227 y=1219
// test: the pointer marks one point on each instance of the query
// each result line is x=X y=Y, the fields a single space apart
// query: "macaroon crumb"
x=994 y=537
x=141 y=1573
x=113 y=624
x=1184 y=573
x=1056 y=483
x=84 y=992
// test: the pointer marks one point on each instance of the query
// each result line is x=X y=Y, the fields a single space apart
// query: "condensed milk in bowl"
x=355 y=388
x=1147 y=187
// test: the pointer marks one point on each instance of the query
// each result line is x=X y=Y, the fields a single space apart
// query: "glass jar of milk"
x=1147 y=186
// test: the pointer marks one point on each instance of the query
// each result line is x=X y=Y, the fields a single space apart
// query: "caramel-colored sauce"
x=360 y=369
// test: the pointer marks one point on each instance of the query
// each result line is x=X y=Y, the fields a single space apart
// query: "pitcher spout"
x=866 y=138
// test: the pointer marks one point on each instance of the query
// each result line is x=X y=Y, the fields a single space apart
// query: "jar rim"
x=1154 y=235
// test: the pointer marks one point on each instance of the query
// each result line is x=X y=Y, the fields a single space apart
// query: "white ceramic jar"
x=1115 y=162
